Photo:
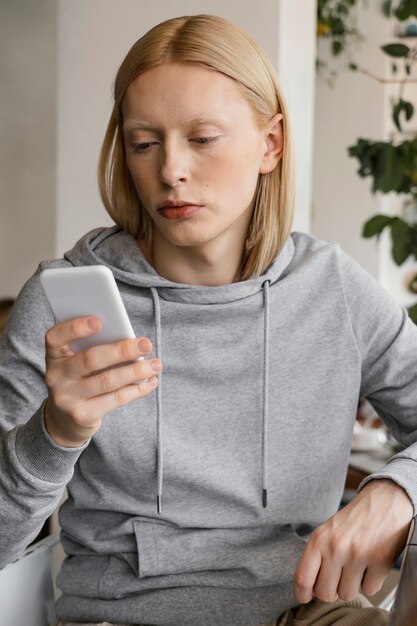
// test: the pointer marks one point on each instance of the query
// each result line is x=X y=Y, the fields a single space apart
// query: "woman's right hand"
x=80 y=393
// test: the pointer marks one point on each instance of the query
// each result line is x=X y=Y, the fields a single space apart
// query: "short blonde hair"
x=220 y=45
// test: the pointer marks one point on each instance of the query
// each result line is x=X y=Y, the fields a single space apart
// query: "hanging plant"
x=392 y=165
x=336 y=23
x=402 y=10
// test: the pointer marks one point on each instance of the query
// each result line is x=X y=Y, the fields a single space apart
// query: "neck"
x=212 y=264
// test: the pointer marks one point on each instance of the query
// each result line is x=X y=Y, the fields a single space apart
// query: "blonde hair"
x=220 y=45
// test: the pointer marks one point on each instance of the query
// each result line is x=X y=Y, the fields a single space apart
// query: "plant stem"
x=386 y=80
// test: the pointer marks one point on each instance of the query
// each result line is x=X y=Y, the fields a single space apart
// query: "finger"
x=99 y=406
x=350 y=581
x=101 y=357
x=327 y=582
x=306 y=574
x=339 y=551
x=59 y=336
x=110 y=380
x=373 y=579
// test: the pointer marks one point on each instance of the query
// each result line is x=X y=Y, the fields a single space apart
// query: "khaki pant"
x=315 y=613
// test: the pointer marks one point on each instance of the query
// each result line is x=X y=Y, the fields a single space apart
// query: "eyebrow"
x=136 y=124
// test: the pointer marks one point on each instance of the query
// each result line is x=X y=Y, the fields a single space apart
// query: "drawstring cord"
x=265 y=287
x=159 y=447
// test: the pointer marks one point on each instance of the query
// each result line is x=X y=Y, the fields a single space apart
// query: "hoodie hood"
x=119 y=251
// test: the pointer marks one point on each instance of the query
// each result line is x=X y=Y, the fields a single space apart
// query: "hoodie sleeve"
x=387 y=342
x=34 y=470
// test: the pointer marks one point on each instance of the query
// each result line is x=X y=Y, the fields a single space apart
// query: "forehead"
x=184 y=92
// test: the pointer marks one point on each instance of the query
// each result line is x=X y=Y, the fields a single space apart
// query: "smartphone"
x=88 y=290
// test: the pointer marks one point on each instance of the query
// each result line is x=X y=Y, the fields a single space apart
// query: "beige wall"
x=27 y=138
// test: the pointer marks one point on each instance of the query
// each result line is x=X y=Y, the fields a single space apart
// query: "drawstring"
x=159 y=447
x=265 y=287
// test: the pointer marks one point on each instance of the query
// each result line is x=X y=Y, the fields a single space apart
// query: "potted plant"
x=392 y=165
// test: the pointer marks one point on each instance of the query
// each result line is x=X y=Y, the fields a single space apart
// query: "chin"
x=183 y=236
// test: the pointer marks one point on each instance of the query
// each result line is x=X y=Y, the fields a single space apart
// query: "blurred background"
x=58 y=59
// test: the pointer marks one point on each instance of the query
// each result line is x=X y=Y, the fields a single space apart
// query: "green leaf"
x=375 y=225
x=412 y=312
x=337 y=46
x=388 y=170
x=402 y=106
x=386 y=7
x=396 y=115
x=406 y=9
x=409 y=110
x=392 y=167
x=396 y=49
x=353 y=67
x=342 y=9
x=338 y=27
x=401 y=246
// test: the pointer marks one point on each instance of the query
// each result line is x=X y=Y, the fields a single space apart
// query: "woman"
x=190 y=501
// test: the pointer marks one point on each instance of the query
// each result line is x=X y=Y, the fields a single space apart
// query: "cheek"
x=238 y=178
x=142 y=178
x=237 y=170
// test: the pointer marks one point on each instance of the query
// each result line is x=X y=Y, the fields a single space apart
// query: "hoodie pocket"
x=265 y=555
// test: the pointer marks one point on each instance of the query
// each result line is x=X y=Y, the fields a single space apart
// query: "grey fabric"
x=315 y=613
x=261 y=382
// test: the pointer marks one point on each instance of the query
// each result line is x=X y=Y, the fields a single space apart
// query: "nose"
x=175 y=167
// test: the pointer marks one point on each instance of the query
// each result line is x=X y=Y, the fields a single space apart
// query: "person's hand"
x=354 y=550
x=80 y=393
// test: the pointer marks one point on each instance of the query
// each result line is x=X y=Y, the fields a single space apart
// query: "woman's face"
x=192 y=138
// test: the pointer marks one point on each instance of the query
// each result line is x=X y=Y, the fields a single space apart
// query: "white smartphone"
x=88 y=290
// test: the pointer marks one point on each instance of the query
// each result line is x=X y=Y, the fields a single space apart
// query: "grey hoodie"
x=244 y=443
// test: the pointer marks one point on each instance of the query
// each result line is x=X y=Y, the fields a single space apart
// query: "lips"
x=176 y=204
x=179 y=212
x=178 y=209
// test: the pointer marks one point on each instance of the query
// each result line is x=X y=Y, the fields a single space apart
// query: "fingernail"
x=156 y=366
x=93 y=324
x=153 y=381
x=143 y=345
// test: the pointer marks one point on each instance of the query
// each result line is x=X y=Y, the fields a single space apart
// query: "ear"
x=273 y=145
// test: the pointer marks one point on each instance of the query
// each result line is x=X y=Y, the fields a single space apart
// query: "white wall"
x=27 y=139
x=296 y=66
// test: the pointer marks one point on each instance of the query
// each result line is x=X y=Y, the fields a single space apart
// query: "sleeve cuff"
x=403 y=472
x=39 y=455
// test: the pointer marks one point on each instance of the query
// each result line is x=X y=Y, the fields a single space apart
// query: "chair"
x=27 y=591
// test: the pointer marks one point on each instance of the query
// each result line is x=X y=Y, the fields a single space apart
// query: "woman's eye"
x=145 y=146
x=203 y=140
x=142 y=147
